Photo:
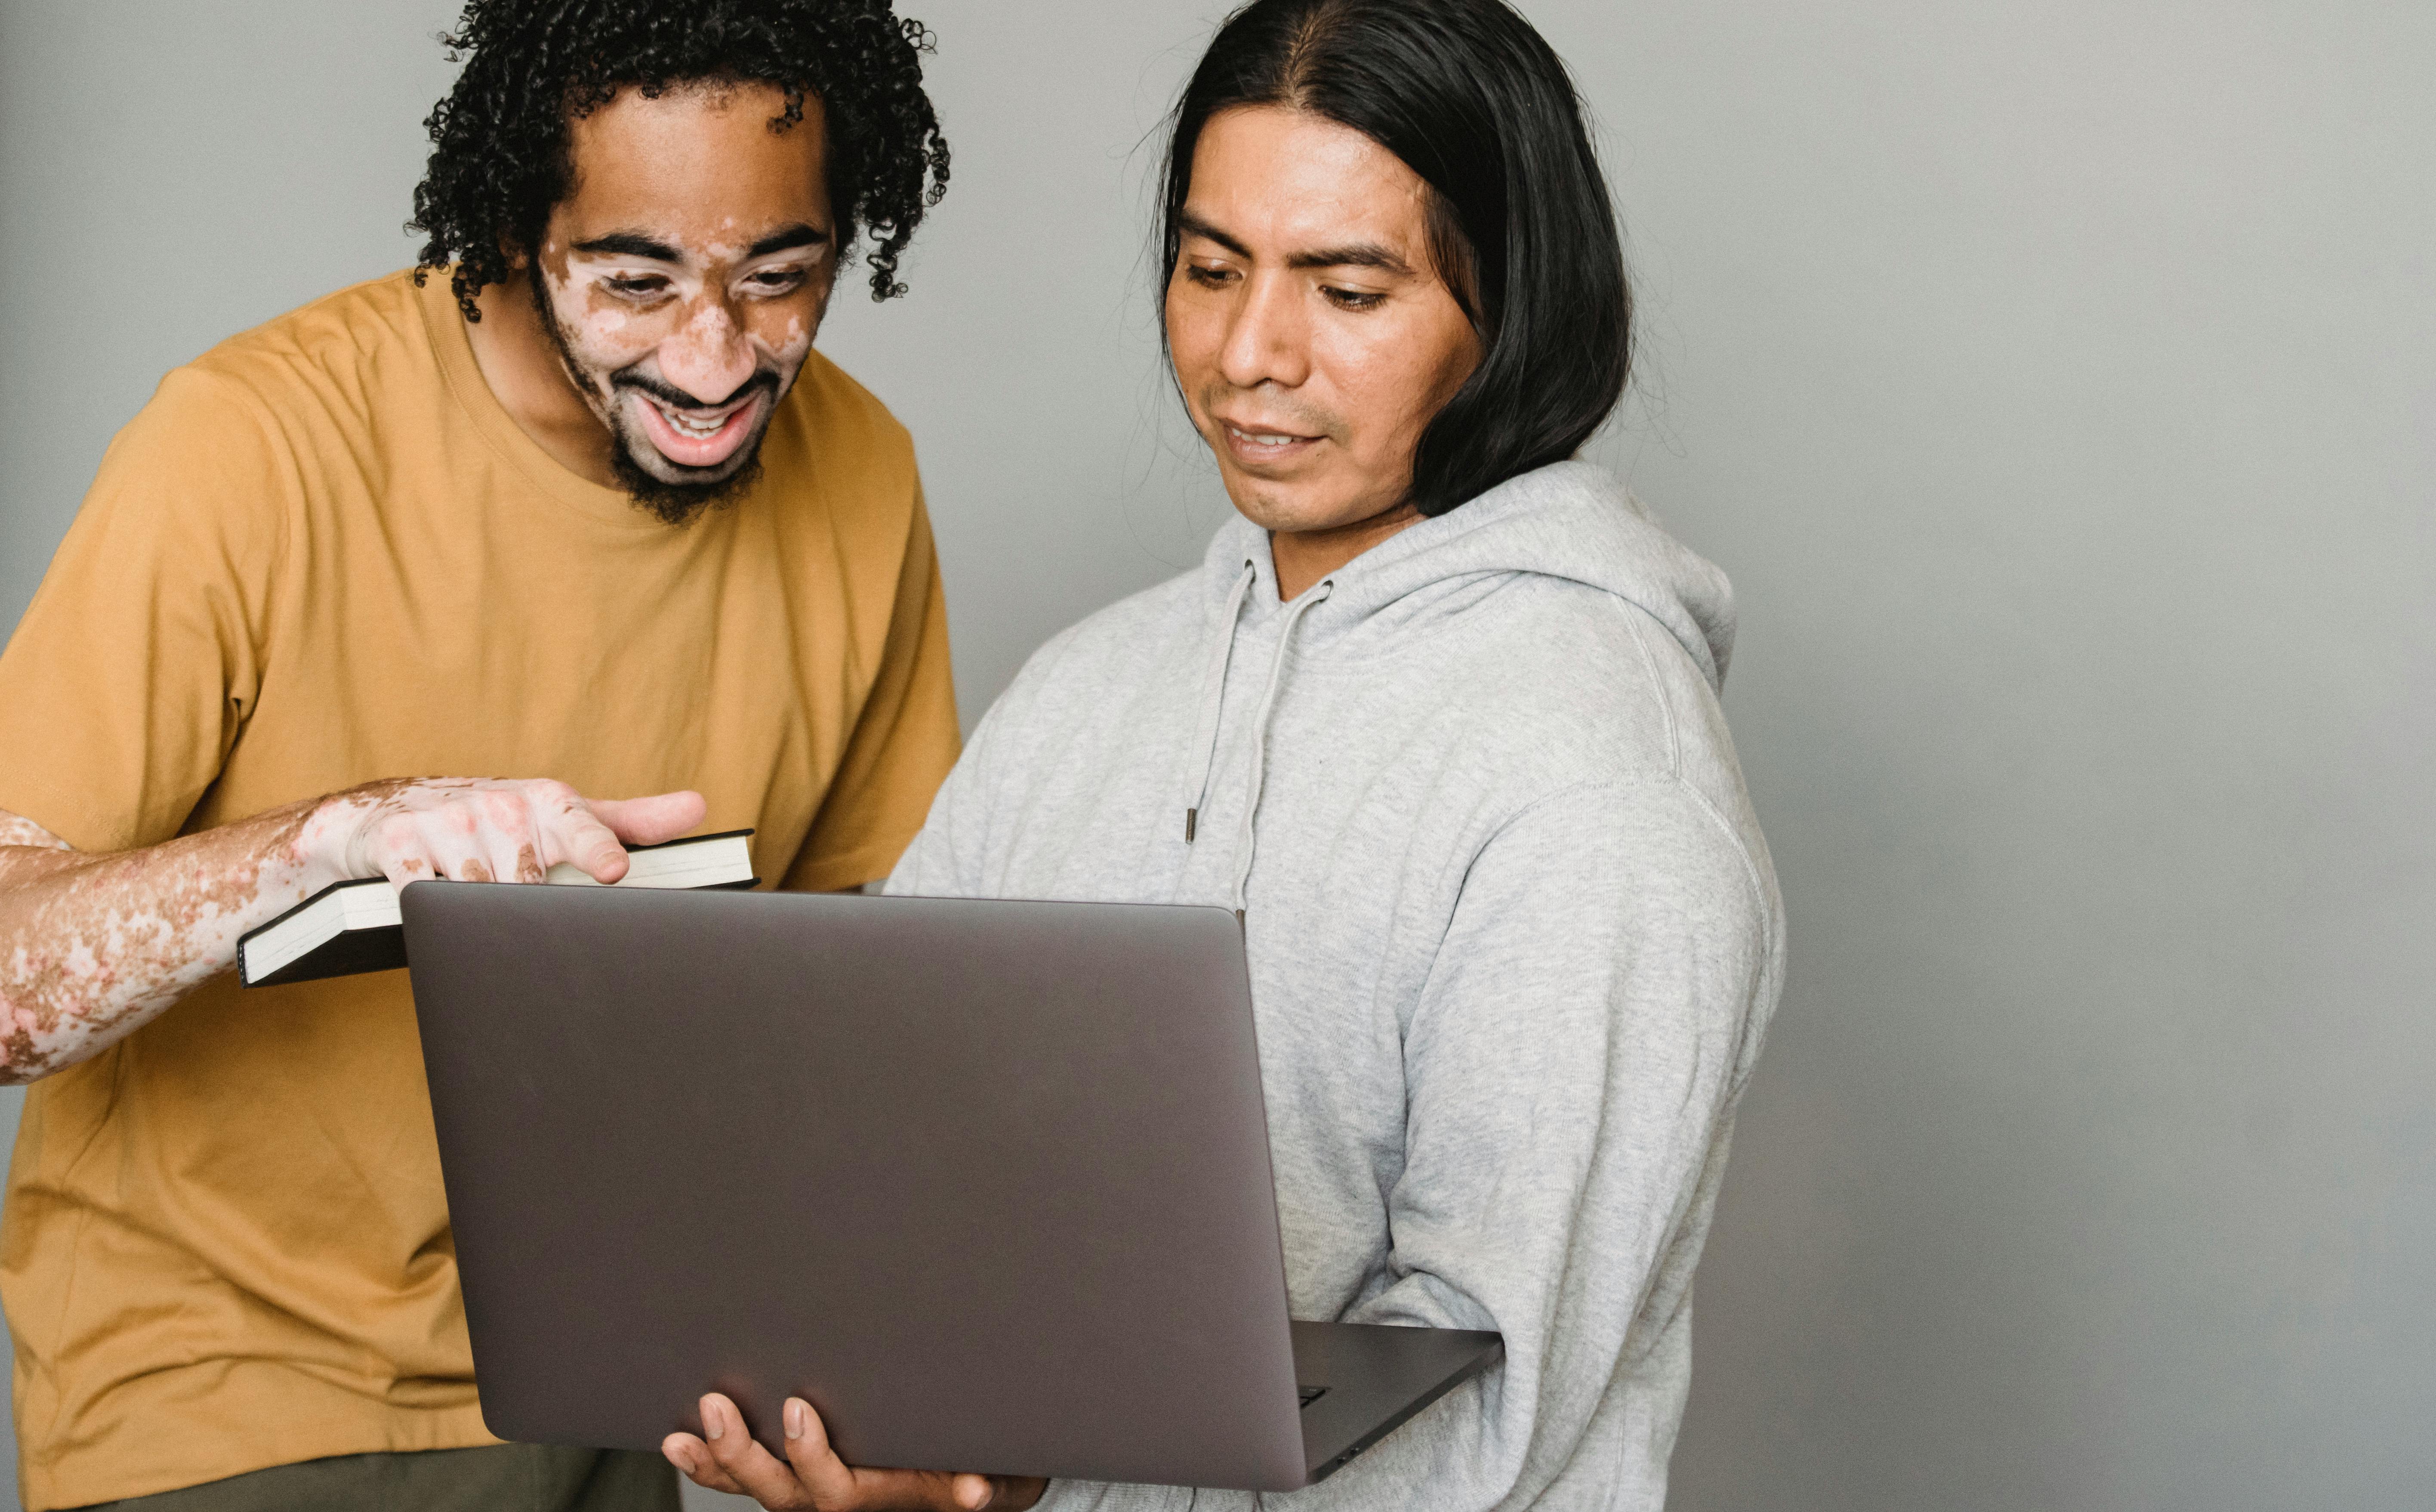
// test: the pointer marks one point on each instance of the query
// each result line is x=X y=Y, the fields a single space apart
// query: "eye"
x=771 y=282
x=1353 y=299
x=1209 y=277
x=646 y=287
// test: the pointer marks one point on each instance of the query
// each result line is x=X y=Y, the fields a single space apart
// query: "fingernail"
x=795 y=1418
x=684 y=1458
x=712 y=1423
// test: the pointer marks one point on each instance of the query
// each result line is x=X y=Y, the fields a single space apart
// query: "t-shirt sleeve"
x=136 y=665
x=903 y=743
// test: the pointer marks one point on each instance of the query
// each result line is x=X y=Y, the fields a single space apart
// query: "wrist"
x=326 y=845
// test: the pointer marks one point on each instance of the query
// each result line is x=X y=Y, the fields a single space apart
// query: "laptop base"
x=1377 y=1377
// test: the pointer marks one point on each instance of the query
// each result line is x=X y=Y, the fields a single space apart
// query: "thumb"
x=650 y=821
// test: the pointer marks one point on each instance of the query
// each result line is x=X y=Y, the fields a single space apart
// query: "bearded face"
x=682 y=280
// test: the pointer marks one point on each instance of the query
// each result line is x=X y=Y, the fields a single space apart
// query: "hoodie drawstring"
x=1213 y=699
x=1261 y=734
x=1213 y=695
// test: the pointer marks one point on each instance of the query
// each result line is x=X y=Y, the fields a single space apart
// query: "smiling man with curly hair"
x=586 y=509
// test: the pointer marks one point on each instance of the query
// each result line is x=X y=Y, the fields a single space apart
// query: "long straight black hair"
x=1476 y=103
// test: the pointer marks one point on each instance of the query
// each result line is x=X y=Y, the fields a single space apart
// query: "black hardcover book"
x=353 y=927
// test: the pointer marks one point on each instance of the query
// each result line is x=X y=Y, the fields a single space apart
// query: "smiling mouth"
x=1257 y=442
x=697 y=438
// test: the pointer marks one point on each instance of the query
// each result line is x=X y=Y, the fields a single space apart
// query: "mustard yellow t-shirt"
x=324 y=554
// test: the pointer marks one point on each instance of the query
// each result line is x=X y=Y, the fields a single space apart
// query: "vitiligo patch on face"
x=674 y=378
x=692 y=328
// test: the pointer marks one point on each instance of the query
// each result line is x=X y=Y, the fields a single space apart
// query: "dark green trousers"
x=500 y=1478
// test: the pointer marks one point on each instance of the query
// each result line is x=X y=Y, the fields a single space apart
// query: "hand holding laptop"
x=811 y=1475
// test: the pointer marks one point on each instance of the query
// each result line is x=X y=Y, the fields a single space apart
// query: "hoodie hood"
x=1571 y=520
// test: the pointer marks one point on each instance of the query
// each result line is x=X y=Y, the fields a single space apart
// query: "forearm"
x=93 y=947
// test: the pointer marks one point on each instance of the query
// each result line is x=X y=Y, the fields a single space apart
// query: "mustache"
x=676 y=398
x=1282 y=410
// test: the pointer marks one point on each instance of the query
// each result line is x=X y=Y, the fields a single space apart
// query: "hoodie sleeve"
x=952 y=855
x=1571 y=1071
x=946 y=858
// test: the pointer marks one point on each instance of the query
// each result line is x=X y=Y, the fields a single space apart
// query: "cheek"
x=784 y=334
x=1364 y=374
x=1392 y=381
x=1195 y=334
x=602 y=333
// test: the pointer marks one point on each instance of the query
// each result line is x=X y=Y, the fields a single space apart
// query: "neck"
x=521 y=365
x=1304 y=557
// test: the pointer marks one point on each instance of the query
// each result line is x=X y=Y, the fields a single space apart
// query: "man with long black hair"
x=584 y=507
x=1439 y=713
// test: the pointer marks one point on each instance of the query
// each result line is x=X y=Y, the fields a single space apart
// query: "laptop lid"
x=987 y=1183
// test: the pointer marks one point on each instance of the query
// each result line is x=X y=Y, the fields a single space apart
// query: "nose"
x=709 y=355
x=1268 y=341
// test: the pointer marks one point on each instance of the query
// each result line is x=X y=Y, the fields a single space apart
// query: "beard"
x=679 y=500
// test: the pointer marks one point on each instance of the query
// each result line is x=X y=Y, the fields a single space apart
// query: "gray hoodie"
x=1513 y=932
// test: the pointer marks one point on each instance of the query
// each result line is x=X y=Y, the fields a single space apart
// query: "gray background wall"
x=2058 y=382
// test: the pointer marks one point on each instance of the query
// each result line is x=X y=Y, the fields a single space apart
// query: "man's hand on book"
x=812 y=1477
x=93 y=947
x=483 y=829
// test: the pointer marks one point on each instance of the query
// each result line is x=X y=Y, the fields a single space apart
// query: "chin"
x=648 y=460
x=1284 y=507
x=1273 y=504
x=680 y=495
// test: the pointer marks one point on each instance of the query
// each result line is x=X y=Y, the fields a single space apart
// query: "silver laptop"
x=986 y=1183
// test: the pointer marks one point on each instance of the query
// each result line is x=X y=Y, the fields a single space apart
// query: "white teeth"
x=1267 y=441
x=687 y=425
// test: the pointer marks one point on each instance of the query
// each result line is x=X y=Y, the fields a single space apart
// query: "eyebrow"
x=631 y=244
x=1351 y=255
x=798 y=235
x=642 y=243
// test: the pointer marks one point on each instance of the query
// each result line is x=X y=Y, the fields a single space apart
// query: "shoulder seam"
x=1699 y=800
x=1658 y=690
x=285 y=523
x=1772 y=921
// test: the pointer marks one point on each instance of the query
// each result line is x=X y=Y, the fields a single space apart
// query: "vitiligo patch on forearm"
x=93 y=946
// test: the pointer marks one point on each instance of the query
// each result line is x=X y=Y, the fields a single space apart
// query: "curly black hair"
x=500 y=160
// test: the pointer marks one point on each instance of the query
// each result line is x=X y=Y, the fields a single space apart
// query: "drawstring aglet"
x=1191 y=821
